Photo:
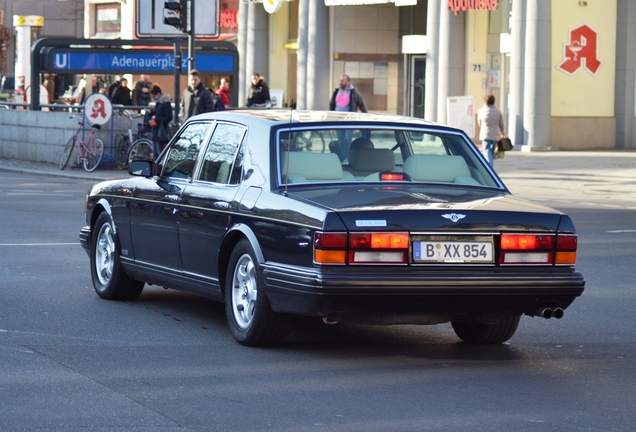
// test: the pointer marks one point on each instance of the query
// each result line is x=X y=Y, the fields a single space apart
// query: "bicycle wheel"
x=122 y=145
x=140 y=149
x=94 y=155
x=66 y=154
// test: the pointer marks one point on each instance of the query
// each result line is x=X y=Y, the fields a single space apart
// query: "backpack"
x=218 y=104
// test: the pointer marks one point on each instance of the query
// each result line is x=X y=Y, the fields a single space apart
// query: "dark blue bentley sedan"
x=351 y=217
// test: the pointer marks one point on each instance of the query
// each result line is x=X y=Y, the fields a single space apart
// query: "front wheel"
x=109 y=279
x=140 y=149
x=94 y=155
x=475 y=331
x=251 y=320
x=66 y=154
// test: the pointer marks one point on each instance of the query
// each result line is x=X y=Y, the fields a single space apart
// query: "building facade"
x=562 y=71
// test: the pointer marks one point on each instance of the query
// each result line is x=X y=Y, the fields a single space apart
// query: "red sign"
x=581 y=51
x=466 y=5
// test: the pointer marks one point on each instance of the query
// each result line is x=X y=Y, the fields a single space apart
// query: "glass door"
x=416 y=87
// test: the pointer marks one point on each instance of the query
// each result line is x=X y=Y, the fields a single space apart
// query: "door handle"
x=222 y=205
x=173 y=198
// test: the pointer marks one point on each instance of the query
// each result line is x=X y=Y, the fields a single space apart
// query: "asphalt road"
x=70 y=361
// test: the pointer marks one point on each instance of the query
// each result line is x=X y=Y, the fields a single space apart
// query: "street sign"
x=60 y=60
x=149 y=20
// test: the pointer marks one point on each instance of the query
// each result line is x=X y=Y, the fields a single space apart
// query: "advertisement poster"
x=460 y=113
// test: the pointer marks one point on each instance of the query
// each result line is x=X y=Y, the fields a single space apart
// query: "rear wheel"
x=66 y=154
x=251 y=320
x=109 y=279
x=94 y=155
x=478 y=332
x=140 y=149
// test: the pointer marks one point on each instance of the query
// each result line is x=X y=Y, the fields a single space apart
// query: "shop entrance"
x=416 y=84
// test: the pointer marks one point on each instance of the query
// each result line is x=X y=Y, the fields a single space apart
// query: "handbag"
x=504 y=144
x=164 y=134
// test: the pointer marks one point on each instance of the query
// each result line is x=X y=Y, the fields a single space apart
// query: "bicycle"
x=90 y=151
x=128 y=147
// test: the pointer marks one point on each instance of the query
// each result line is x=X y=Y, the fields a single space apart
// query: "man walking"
x=346 y=98
x=196 y=98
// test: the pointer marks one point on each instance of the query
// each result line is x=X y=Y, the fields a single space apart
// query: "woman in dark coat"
x=161 y=116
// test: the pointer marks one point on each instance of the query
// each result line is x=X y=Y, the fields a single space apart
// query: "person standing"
x=346 y=98
x=121 y=95
x=196 y=98
x=224 y=91
x=259 y=92
x=491 y=127
x=141 y=92
x=161 y=116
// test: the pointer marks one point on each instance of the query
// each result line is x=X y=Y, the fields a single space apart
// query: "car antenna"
x=291 y=108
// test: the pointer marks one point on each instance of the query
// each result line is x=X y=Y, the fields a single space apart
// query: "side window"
x=221 y=154
x=182 y=157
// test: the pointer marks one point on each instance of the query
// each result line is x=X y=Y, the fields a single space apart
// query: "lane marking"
x=40 y=244
x=621 y=231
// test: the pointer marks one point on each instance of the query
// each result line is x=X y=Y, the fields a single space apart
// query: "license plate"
x=453 y=251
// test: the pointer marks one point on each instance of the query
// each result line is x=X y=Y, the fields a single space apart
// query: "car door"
x=155 y=209
x=209 y=202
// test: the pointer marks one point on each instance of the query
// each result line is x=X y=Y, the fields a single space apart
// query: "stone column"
x=318 y=67
x=451 y=66
x=302 y=55
x=257 y=58
x=242 y=80
x=432 y=60
x=624 y=90
x=538 y=76
x=515 y=106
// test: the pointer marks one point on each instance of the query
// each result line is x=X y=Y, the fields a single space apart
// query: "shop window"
x=107 y=18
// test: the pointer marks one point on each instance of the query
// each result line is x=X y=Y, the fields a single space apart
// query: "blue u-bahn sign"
x=133 y=61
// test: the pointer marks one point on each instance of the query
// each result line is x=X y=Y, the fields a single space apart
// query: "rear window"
x=354 y=154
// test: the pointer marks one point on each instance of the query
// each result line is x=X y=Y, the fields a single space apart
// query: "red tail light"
x=361 y=248
x=524 y=249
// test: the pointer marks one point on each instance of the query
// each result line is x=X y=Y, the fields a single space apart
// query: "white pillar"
x=302 y=55
x=23 y=40
x=538 y=76
x=243 y=79
x=318 y=67
x=432 y=60
x=515 y=104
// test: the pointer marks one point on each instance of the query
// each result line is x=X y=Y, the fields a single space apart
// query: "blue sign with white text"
x=136 y=61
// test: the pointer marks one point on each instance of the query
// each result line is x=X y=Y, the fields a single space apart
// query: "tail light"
x=361 y=248
x=519 y=249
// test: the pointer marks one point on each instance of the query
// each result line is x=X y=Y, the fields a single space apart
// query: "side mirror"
x=141 y=167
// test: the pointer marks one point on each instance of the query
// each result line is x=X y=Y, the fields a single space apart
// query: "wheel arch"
x=234 y=235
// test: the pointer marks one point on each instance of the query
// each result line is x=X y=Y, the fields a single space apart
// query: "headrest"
x=312 y=166
x=365 y=159
x=437 y=168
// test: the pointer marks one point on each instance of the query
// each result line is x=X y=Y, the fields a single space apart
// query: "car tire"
x=109 y=278
x=251 y=319
x=476 y=332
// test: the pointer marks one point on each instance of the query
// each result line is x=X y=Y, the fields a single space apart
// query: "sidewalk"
x=583 y=177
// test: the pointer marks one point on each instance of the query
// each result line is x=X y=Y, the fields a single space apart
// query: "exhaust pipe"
x=331 y=319
x=544 y=312
x=558 y=313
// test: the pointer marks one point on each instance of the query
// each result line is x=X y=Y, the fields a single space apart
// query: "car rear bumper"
x=415 y=290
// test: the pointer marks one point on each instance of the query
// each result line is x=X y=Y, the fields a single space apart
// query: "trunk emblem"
x=453 y=217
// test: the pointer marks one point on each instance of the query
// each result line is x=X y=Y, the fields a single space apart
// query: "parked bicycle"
x=129 y=146
x=90 y=150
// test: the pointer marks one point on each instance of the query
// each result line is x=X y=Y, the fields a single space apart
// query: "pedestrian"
x=259 y=92
x=160 y=117
x=216 y=100
x=224 y=91
x=196 y=98
x=346 y=98
x=49 y=84
x=491 y=127
x=141 y=92
x=113 y=86
x=121 y=95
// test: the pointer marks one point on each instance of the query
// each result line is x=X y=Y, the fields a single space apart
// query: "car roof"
x=275 y=117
